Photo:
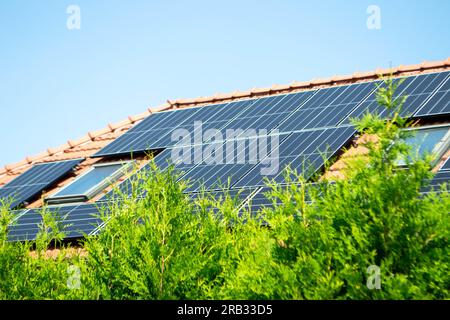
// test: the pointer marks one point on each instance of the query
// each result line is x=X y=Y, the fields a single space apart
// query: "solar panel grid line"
x=336 y=101
x=406 y=82
x=423 y=91
x=441 y=106
x=287 y=141
x=441 y=177
x=419 y=91
x=188 y=124
x=160 y=120
x=18 y=213
x=434 y=102
x=36 y=173
x=35 y=180
x=358 y=96
x=99 y=227
x=260 y=105
x=446 y=165
x=270 y=120
x=74 y=218
x=242 y=106
x=223 y=171
x=249 y=198
x=299 y=119
x=299 y=158
x=205 y=117
x=260 y=200
x=153 y=122
x=240 y=196
x=133 y=136
x=39 y=172
x=371 y=105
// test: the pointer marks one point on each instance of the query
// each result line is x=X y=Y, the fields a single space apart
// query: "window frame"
x=439 y=148
x=54 y=199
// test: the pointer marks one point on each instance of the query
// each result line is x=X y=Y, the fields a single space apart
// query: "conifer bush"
x=370 y=235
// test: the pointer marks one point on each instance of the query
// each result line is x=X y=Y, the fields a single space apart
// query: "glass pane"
x=82 y=185
x=424 y=141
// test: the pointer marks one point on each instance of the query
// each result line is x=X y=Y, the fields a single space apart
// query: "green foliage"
x=317 y=242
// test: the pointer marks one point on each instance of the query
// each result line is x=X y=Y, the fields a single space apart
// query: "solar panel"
x=31 y=183
x=446 y=165
x=162 y=161
x=76 y=221
x=263 y=197
x=149 y=130
x=328 y=107
x=418 y=90
x=222 y=164
x=438 y=180
x=304 y=152
x=268 y=113
x=238 y=196
x=150 y=134
x=157 y=133
x=439 y=103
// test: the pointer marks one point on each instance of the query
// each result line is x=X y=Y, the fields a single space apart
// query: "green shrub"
x=321 y=242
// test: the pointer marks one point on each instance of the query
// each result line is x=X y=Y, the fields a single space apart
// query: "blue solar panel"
x=268 y=113
x=370 y=104
x=34 y=181
x=153 y=134
x=417 y=89
x=446 y=165
x=440 y=178
x=76 y=221
x=328 y=107
x=264 y=113
x=263 y=197
x=304 y=152
x=439 y=104
x=238 y=196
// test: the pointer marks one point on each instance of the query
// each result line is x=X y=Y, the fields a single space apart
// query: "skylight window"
x=433 y=141
x=90 y=184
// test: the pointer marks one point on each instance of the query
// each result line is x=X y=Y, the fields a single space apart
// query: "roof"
x=92 y=142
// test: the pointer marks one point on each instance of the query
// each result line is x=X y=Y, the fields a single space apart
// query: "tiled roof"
x=86 y=146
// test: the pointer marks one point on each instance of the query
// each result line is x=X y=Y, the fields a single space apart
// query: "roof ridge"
x=296 y=85
x=225 y=97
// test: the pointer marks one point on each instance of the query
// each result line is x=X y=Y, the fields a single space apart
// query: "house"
x=303 y=121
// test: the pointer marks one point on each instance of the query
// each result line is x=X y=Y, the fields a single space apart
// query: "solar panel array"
x=439 y=103
x=302 y=130
x=419 y=90
x=31 y=183
x=75 y=221
x=287 y=113
x=440 y=178
x=305 y=152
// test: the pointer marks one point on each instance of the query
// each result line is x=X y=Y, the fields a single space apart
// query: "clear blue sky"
x=57 y=84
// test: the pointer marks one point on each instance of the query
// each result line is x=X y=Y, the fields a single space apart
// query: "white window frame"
x=440 y=148
x=94 y=190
